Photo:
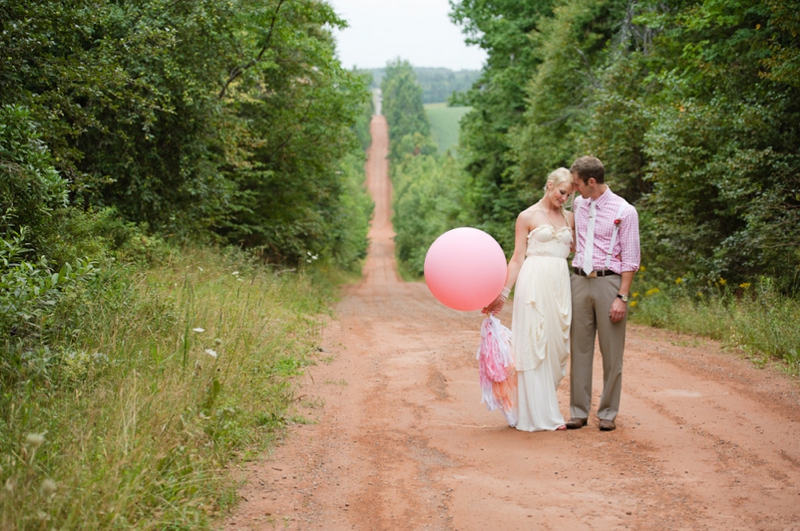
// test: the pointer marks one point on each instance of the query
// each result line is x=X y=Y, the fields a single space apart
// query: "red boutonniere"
x=617 y=221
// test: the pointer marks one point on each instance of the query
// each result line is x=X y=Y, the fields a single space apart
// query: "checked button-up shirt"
x=626 y=255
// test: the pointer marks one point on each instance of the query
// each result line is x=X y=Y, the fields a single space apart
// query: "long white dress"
x=540 y=326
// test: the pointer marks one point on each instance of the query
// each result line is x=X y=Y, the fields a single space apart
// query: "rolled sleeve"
x=630 y=251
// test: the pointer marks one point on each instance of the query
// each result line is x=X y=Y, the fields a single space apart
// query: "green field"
x=444 y=123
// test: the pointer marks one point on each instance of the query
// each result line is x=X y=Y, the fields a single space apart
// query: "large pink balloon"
x=465 y=269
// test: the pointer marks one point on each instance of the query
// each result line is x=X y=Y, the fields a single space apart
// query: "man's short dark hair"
x=589 y=168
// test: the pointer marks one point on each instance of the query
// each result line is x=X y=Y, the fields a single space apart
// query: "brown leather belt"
x=594 y=274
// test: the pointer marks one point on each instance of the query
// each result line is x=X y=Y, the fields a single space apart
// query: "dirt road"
x=400 y=441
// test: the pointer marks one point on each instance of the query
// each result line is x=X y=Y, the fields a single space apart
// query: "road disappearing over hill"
x=399 y=441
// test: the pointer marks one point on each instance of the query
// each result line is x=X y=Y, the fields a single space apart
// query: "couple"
x=557 y=314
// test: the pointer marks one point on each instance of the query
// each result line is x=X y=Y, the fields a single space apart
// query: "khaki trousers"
x=591 y=302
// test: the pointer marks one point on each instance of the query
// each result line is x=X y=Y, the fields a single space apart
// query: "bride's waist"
x=556 y=256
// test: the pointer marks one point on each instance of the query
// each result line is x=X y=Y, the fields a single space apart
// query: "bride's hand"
x=494 y=307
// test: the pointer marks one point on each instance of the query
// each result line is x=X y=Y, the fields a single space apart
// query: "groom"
x=606 y=258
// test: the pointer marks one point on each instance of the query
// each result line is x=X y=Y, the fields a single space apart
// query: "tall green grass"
x=755 y=318
x=174 y=374
x=445 y=123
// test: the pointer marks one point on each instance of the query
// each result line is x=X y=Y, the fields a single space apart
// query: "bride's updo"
x=556 y=177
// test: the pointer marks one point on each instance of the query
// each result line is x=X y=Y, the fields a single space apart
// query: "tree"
x=403 y=108
x=504 y=29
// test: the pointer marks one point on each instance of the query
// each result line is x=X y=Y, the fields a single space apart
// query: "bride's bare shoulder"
x=531 y=217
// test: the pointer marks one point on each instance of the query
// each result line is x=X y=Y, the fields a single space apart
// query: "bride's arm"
x=523 y=227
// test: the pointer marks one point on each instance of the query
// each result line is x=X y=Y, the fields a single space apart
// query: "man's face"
x=581 y=187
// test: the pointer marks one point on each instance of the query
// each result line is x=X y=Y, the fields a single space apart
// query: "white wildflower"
x=48 y=488
x=198 y=330
x=235 y=273
x=211 y=352
x=35 y=439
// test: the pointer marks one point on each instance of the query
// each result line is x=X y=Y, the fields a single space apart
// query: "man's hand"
x=618 y=310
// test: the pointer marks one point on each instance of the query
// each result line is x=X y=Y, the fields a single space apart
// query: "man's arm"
x=618 y=307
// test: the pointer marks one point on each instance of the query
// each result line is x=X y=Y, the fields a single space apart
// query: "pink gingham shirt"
x=626 y=254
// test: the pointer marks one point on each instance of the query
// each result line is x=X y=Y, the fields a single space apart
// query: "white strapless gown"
x=540 y=327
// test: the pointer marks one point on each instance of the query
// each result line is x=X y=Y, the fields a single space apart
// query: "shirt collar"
x=603 y=199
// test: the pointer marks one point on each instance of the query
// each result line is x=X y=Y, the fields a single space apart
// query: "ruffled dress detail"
x=540 y=327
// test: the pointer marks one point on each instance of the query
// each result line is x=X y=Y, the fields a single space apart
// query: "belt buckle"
x=593 y=274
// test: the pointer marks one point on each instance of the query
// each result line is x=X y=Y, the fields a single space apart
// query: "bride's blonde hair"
x=556 y=177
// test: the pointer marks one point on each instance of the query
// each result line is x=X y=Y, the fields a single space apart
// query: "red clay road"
x=399 y=440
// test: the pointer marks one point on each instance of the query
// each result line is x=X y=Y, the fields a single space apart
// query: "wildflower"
x=700 y=294
x=678 y=280
x=235 y=273
x=633 y=303
x=722 y=281
x=744 y=285
x=652 y=291
x=35 y=439
x=635 y=294
x=48 y=488
x=641 y=269
x=198 y=330
x=211 y=352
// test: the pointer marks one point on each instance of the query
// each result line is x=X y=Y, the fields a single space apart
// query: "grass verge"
x=132 y=419
x=757 y=319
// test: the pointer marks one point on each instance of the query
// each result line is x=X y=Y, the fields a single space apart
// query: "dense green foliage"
x=124 y=125
x=409 y=129
x=209 y=119
x=438 y=84
x=693 y=106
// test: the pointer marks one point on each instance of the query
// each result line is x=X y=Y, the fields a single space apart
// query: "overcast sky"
x=418 y=31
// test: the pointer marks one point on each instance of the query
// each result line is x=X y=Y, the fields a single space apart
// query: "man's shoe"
x=574 y=423
x=607 y=425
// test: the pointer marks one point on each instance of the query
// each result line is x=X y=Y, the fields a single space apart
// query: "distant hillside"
x=445 y=123
x=437 y=83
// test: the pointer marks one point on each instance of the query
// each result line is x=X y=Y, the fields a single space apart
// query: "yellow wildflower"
x=722 y=281
x=678 y=280
x=700 y=294
x=744 y=285
x=641 y=269
x=652 y=291
x=633 y=303
x=635 y=294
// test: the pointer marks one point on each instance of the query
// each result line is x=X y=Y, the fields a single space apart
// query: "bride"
x=542 y=303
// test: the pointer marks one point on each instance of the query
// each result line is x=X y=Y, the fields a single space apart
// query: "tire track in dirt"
x=400 y=441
